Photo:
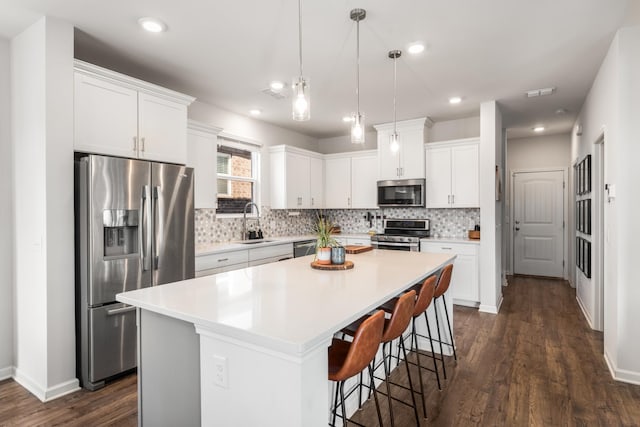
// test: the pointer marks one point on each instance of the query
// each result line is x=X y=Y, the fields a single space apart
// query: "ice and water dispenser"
x=120 y=232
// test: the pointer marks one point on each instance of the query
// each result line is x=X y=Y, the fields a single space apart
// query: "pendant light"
x=357 y=119
x=301 y=99
x=394 y=144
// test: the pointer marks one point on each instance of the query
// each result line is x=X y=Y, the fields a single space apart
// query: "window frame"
x=254 y=148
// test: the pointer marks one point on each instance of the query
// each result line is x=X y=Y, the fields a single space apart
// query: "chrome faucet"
x=245 y=234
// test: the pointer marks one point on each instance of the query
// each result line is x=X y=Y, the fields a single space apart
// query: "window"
x=237 y=170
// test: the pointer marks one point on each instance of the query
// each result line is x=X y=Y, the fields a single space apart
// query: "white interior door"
x=538 y=242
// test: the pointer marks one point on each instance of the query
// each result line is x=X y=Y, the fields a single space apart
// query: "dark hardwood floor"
x=537 y=363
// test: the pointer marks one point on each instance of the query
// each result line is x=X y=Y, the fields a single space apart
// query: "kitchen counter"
x=248 y=330
x=214 y=248
x=451 y=240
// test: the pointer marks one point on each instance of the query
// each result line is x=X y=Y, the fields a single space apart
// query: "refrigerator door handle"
x=156 y=258
x=145 y=236
x=121 y=310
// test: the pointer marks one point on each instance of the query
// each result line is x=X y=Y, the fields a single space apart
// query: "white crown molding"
x=208 y=129
x=131 y=82
x=418 y=123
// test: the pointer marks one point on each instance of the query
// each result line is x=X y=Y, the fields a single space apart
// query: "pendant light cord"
x=300 y=33
x=395 y=59
x=358 y=64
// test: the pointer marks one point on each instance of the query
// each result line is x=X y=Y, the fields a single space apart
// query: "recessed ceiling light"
x=415 y=48
x=455 y=100
x=561 y=111
x=152 y=25
x=276 y=86
x=255 y=112
x=538 y=129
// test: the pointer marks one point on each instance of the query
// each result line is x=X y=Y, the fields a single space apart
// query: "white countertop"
x=451 y=240
x=288 y=306
x=215 y=248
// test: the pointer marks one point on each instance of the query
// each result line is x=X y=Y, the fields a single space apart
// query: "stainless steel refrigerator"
x=134 y=229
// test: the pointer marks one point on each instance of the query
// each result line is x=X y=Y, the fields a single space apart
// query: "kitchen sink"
x=254 y=241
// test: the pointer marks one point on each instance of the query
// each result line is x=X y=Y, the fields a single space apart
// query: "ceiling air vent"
x=276 y=94
x=540 y=92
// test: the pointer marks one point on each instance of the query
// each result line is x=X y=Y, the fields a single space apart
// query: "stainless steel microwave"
x=401 y=193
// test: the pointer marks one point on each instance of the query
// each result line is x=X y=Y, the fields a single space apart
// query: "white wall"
x=256 y=130
x=613 y=107
x=342 y=144
x=491 y=154
x=6 y=242
x=455 y=129
x=42 y=124
x=537 y=152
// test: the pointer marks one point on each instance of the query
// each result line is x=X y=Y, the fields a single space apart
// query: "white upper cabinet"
x=452 y=174
x=202 y=142
x=408 y=161
x=121 y=116
x=296 y=178
x=350 y=180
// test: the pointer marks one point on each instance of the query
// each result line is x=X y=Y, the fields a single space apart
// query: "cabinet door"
x=411 y=154
x=464 y=176
x=162 y=129
x=388 y=161
x=297 y=181
x=464 y=280
x=337 y=183
x=201 y=156
x=438 y=182
x=364 y=176
x=316 y=184
x=105 y=117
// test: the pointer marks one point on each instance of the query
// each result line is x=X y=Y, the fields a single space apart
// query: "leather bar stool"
x=347 y=359
x=425 y=292
x=441 y=288
x=394 y=326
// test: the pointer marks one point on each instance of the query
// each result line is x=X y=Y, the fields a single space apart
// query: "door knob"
x=517 y=228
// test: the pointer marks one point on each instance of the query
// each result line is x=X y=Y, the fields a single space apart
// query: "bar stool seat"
x=393 y=328
x=347 y=359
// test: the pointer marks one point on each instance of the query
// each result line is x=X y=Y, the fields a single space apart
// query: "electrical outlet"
x=220 y=377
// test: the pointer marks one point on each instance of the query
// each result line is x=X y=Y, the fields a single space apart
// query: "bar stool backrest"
x=363 y=347
x=400 y=317
x=425 y=296
x=444 y=281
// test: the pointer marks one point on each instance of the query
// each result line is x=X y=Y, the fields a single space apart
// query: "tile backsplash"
x=276 y=222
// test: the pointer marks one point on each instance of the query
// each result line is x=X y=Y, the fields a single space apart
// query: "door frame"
x=565 y=213
x=598 y=247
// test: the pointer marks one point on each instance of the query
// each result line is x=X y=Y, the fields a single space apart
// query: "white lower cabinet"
x=465 y=285
x=267 y=254
x=221 y=262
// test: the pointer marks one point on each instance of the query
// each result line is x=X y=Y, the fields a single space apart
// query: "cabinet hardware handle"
x=348 y=201
x=446 y=249
x=135 y=143
x=142 y=140
x=121 y=310
x=453 y=199
x=223 y=259
x=313 y=201
x=449 y=199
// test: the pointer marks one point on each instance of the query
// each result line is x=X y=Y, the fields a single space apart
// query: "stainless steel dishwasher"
x=304 y=248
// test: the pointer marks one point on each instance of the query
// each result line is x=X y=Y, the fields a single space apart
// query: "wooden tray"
x=357 y=249
x=348 y=265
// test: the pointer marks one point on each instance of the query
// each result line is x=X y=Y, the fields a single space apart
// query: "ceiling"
x=225 y=52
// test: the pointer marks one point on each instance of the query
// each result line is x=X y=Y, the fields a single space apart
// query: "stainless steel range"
x=401 y=234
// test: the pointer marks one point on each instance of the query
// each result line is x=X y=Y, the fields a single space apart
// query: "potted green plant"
x=322 y=228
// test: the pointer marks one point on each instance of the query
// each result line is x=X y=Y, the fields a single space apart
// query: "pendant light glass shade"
x=394 y=140
x=357 y=122
x=357 y=128
x=301 y=100
x=301 y=104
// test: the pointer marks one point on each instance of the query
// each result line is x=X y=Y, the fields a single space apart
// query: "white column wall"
x=6 y=203
x=612 y=108
x=42 y=124
x=491 y=154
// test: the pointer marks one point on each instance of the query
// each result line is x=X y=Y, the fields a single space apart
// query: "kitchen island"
x=249 y=347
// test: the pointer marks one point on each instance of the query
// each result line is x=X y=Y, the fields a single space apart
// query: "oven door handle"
x=406 y=244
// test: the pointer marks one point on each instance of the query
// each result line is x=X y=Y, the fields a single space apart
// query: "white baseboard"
x=492 y=309
x=621 y=375
x=6 y=373
x=466 y=303
x=585 y=313
x=43 y=393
